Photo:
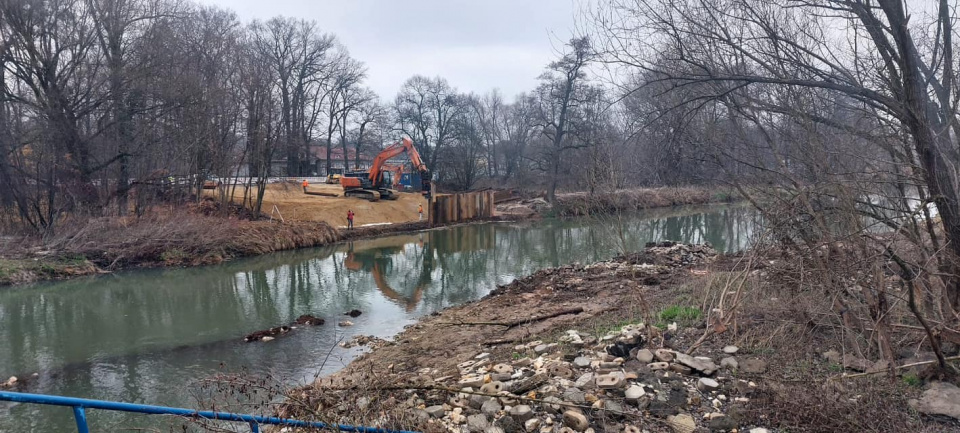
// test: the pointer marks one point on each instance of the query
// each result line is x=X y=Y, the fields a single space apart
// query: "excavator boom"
x=392 y=151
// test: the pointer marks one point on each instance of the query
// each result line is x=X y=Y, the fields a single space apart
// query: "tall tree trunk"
x=356 y=156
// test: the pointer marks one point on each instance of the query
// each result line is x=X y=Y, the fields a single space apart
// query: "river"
x=149 y=336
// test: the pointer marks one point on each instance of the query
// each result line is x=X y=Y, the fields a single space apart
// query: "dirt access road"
x=296 y=206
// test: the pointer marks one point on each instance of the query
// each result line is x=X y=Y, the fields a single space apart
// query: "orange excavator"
x=396 y=171
x=373 y=185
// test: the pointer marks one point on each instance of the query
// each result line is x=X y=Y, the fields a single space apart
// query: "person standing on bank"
x=420 y=211
x=304 y=186
x=350 y=215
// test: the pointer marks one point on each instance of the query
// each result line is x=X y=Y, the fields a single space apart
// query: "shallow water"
x=148 y=336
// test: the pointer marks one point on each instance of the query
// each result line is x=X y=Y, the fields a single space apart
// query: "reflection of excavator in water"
x=376 y=262
x=375 y=183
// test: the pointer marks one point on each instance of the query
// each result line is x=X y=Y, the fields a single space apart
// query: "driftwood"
x=499 y=342
x=515 y=323
x=899 y=367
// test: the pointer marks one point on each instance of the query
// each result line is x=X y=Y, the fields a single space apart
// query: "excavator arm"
x=392 y=151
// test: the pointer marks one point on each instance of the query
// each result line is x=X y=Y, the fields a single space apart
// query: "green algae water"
x=149 y=336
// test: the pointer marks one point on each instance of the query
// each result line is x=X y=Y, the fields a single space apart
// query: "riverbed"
x=149 y=336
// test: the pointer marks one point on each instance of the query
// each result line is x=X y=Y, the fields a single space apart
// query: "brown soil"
x=294 y=205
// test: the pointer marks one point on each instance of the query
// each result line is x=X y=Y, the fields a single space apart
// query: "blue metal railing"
x=80 y=405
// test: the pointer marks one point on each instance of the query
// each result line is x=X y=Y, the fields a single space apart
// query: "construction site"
x=369 y=197
x=617 y=216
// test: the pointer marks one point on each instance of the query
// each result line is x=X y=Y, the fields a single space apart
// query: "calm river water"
x=148 y=336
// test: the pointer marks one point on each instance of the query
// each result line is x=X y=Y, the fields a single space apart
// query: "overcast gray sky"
x=477 y=45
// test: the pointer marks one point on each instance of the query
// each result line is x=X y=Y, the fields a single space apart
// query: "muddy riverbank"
x=615 y=346
x=165 y=330
x=172 y=244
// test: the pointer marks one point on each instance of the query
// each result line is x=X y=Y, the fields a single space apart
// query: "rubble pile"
x=580 y=385
x=670 y=254
x=649 y=267
x=364 y=340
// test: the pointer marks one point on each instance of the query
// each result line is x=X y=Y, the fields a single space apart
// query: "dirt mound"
x=294 y=205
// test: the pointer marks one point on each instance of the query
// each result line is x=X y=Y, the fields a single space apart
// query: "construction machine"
x=373 y=184
x=333 y=177
x=396 y=172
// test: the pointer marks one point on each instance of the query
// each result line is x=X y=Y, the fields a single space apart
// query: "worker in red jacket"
x=350 y=215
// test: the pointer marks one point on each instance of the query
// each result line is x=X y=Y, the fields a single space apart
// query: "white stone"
x=706 y=384
x=730 y=350
x=634 y=392
x=729 y=363
x=941 y=398
x=521 y=413
x=531 y=424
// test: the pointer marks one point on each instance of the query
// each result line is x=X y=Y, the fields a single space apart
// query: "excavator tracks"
x=365 y=194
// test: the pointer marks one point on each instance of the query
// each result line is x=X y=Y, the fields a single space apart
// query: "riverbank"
x=623 y=200
x=634 y=343
x=197 y=235
x=108 y=245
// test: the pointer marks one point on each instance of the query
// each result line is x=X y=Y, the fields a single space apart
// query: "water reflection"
x=144 y=336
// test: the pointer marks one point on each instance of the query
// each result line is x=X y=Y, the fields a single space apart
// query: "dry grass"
x=185 y=238
x=583 y=203
x=787 y=321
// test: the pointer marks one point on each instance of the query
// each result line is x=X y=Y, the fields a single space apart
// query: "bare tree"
x=340 y=99
x=426 y=109
x=558 y=99
x=302 y=58
x=370 y=115
x=879 y=74
x=52 y=54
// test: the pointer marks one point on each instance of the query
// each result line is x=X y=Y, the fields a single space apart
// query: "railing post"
x=254 y=427
x=81 y=416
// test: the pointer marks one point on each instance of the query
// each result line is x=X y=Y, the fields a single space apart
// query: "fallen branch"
x=499 y=342
x=515 y=323
x=900 y=367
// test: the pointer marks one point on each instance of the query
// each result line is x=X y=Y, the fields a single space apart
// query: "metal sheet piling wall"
x=454 y=208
